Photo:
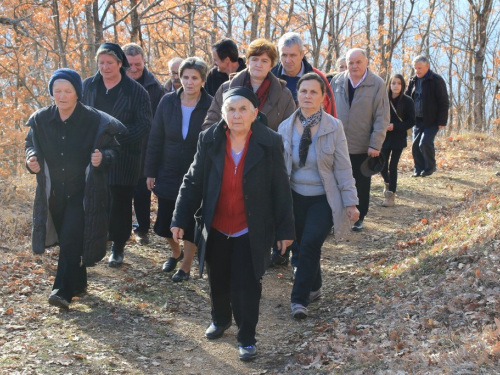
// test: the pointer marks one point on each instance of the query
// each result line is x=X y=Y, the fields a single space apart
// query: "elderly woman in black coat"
x=171 y=149
x=113 y=92
x=239 y=179
x=70 y=147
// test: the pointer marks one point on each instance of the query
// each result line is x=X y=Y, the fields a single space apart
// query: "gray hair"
x=421 y=58
x=353 y=50
x=194 y=63
x=289 y=39
x=133 y=49
x=232 y=99
x=174 y=61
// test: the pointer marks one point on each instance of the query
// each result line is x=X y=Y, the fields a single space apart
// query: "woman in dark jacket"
x=70 y=147
x=113 y=92
x=239 y=179
x=402 y=119
x=171 y=149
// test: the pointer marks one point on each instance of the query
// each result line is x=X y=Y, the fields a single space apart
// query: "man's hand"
x=177 y=234
x=33 y=164
x=373 y=153
x=96 y=158
x=352 y=213
x=150 y=182
x=390 y=127
x=283 y=244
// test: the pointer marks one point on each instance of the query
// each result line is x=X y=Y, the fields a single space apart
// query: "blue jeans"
x=424 y=153
x=313 y=222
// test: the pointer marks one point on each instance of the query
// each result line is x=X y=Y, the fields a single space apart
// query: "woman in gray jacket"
x=323 y=189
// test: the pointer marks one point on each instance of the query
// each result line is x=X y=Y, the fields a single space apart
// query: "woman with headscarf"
x=323 y=188
x=70 y=147
x=113 y=92
x=239 y=190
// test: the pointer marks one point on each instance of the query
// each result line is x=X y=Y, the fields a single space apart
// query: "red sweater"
x=230 y=214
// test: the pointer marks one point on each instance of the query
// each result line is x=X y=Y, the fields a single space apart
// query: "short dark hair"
x=226 y=48
x=315 y=77
x=194 y=63
x=399 y=109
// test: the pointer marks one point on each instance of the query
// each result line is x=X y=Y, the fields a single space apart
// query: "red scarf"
x=263 y=90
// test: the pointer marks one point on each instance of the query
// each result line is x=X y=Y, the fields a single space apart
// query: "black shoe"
x=247 y=353
x=279 y=260
x=141 y=237
x=427 y=172
x=214 y=332
x=358 y=225
x=116 y=257
x=58 y=301
x=180 y=275
x=171 y=263
x=416 y=174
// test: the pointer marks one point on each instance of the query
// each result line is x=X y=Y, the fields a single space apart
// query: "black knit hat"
x=118 y=51
x=241 y=91
x=69 y=75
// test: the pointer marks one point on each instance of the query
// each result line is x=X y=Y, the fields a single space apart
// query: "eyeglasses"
x=172 y=73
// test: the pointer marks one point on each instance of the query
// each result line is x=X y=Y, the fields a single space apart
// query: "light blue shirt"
x=186 y=116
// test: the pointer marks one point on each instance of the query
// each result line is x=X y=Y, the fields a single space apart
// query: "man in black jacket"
x=142 y=196
x=428 y=91
x=226 y=62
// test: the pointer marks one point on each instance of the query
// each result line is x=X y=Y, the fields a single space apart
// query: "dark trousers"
x=363 y=183
x=313 y=222
x=142 y=205
x=234 y=289
x=423 y=151
x=390 y=169
x=120 y=213
x=69 y=223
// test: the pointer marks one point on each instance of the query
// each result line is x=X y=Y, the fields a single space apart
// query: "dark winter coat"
x=132 y=109
x=96 y=187
x=396 y=138
x=266 y=188
x=215 y=79
x=156 y=92
x=329 y=101
x=278 y=107
x=435 y=98
x=168 y=155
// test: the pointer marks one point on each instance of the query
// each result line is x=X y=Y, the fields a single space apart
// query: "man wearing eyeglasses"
x=174 y=82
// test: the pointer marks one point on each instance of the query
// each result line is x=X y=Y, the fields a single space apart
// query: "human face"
x=239 y=115
x=396 y=86
x=64 y=95
x=357 y=64
x=109 y=67
x=174 y=74
x=421 y=69
x=291 y=59
x=136 y=66
x=310 y=96
x=259 y=66
x=342 y=66
x=222 y=65
x=191 y=81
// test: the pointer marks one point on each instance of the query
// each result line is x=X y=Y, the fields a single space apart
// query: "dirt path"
x=135 y=320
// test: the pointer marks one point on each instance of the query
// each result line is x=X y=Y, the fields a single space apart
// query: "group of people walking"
x=253 y=154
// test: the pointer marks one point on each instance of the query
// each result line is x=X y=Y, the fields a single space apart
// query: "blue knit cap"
x=69 y=75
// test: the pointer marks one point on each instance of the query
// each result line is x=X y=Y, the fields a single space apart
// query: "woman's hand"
x=352 y=213
x=283 y=244
x=177 y=233
x=33 y=164
x=96 y=158
x=390 y=127
x=150 y=182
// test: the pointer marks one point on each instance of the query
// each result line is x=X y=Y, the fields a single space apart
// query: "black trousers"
x=234 y=289
x=120 y=213
x=69 y=223
x=390 y=169
x=363 y=183
x=142 y=206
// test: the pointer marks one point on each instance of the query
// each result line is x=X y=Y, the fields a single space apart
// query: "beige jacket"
x=279 y=104
x=334 y=166
x=366 y=120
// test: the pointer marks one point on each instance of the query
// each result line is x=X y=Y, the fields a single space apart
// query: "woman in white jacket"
x=323 y=189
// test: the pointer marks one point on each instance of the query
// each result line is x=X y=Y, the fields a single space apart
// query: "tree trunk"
x=91 y=47
x=135 y=22
x=254 y=28
x=381 y=39
x=59 y=39
x=267 y=22
x=368 y=24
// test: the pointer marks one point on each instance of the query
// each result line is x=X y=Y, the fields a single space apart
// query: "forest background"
x=461 y=38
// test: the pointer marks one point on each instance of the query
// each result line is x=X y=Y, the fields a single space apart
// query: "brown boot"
x=386 y=187
x=389 y=199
